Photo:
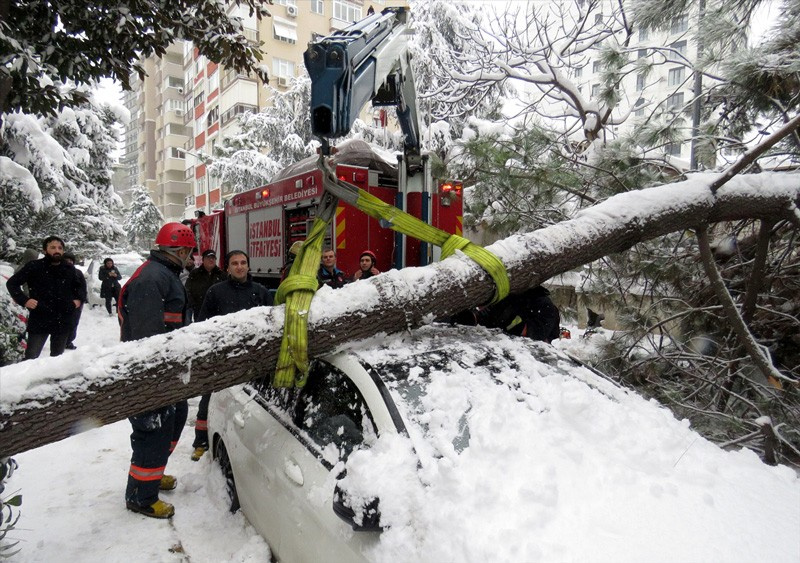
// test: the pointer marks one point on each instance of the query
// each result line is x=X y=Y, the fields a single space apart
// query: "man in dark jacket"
x=237 y=293
x=53 y=295
x=366 y=266
x=69 y=258
x=154 y=302
x=202 y=278
x=531 y=313
x=328 y=274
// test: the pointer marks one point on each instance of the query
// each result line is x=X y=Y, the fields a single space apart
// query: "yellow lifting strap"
x=300 y=285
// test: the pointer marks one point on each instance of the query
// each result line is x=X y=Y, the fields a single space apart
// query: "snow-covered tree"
x=55 y=178
x=143 y=219
x=48 y=45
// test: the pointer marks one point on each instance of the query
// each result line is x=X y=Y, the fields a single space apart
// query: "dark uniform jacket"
x=153 y=301
x=531 y=313
x=110 y=286
x=231 y=296
x=334 y=280
x=55 y=287
x=198 y=283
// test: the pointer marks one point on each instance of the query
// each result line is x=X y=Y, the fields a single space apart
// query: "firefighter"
x=153 y=301
x=366 y=266
x=237 y=293
x=328 y=273
x=531 y=313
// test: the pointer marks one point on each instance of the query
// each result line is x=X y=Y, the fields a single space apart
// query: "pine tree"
x=143 y=220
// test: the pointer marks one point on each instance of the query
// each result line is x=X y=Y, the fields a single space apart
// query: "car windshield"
x=432 y=385
x=127 y=269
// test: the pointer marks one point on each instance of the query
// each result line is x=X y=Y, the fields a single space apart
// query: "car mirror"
x=370 y=515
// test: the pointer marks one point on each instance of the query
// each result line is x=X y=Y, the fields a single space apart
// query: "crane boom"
x=365 y=62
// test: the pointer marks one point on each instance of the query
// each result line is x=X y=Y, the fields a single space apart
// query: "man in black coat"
x=237 y=293
x=53 y=295
x=69 y=258
x=201 y=279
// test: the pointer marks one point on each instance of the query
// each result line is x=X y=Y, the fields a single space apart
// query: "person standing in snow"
x=366 y=266
x=201 y=279
x=109 y=288
x=53 y=296
x=237 y=293
x=154 y=302
x=69 y=258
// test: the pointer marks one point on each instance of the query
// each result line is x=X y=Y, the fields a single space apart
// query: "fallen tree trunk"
x=46 y=400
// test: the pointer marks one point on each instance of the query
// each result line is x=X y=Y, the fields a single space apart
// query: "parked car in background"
x=125 y=263
x=466 y=444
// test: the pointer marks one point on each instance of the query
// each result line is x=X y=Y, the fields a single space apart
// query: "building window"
x=346 y=11
x=639 y=108
x=595 y=90
x=200 y=186
x=673 y=149
x=679 y=24
x=598 y=19
x=680 y=47
x=579 y=72
x=175 y=152
x=236 y=110
x=675 y=101
x=285 y=2
x=174 y=82
x=198 y=99
x=282 y=67
x=213 y=81
x=639 y=82
x=213 y=116
x=597 y=66
x=284 y=30
x=174 y=129
x=175 y=105
x=675 y=76
x=641 y=53
x=643 y=34
x=318 y=7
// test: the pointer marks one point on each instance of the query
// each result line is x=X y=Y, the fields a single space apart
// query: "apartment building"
x=661 y=85
x=186 y=104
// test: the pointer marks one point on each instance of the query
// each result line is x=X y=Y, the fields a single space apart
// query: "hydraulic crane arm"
x=366 y=62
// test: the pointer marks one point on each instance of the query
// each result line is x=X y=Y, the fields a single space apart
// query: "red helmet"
x=370 y=254
x=176 y=234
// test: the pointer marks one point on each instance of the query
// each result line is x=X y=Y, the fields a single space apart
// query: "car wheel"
x=221 y=454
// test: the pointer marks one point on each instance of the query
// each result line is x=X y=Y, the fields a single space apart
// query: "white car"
x=465 y=444
x=125 y=263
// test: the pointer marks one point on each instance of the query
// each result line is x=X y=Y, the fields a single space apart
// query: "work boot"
x=198 y=453
x=159 y=509
x=168 y=482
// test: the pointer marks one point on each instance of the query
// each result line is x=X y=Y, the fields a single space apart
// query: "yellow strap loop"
x=293 y=282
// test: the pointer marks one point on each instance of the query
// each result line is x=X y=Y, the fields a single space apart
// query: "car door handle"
x=293 y=472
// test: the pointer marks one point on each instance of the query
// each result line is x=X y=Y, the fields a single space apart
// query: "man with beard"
x=53 y=296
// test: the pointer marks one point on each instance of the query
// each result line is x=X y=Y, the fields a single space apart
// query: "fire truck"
x=368 y=61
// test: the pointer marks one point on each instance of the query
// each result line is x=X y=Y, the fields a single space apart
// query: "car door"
x=255 y=440
x=331 y=419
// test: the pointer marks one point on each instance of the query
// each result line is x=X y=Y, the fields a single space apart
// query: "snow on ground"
x=73 y=507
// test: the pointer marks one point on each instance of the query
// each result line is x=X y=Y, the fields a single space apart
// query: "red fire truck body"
x=266 y=221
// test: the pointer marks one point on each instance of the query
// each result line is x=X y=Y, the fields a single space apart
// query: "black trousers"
x=35 y=343
x=75 y=320
x=155 y=434
x=201 y=426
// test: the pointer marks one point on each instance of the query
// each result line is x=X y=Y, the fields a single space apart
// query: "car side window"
x=331 y=410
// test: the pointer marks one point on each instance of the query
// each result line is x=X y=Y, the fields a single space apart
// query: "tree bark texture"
x=138 y=376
